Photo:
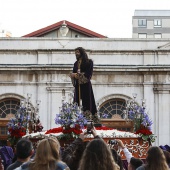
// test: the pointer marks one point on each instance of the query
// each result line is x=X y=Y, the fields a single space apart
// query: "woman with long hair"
x=97 y=155
x=155 y=160
x=167 y=157
x=47 y=157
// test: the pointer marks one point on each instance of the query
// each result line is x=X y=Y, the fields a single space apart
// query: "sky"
x=111 y=18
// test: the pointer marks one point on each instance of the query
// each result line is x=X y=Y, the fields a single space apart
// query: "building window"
x=157 y=23
x=76 y=36
x=114 y=108
x=142 y=35
x=158 y=35
x=8 y=107
x=142 y=22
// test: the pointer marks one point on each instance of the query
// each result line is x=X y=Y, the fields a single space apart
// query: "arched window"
x=8 y=107
x=113 y=107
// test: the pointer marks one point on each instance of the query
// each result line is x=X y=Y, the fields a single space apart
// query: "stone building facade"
x=40 y=66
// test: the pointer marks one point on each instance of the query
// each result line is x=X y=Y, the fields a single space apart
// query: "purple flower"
x=140 y=117
x=70 y=115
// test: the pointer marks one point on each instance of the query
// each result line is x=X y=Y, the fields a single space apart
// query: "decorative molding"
x=113 y=96
x=59 y=89
x=137 y=146
x=161 y=90
x=11 y=95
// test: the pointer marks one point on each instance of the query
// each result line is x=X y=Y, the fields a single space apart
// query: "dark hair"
x=117 y=158
x=74 y=164
x=85 y=60
x=82 y=53
x=155 y=159
x=135 y=162
x=167 y=156
x=97 y=155
x=23 y=148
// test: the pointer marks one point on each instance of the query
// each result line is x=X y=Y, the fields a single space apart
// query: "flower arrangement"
x=71 y=119
x=17 y=126
x=142 y=122
x=103 y=131
x=24 y=122
x=146 y=134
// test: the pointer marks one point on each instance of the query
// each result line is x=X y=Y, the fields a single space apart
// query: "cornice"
x=97 y=68
x=158 y=90
x=56 y=89
x=161 y=88
x=89 y=51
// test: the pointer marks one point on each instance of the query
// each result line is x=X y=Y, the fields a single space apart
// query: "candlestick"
x=80 y=102
x=134 y=95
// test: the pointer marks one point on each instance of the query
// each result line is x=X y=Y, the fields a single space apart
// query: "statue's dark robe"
x=86 y=91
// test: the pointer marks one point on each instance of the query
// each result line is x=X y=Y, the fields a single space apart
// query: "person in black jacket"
x=73 y=153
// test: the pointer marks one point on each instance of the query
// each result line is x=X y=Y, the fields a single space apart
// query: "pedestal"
x=137 y=146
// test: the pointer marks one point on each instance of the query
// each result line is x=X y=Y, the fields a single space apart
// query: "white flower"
x=71 y=125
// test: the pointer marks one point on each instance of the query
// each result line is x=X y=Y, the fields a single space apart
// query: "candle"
x=78 y=71
x=80 y=102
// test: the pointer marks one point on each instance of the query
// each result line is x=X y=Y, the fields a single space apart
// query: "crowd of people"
x=83 y=155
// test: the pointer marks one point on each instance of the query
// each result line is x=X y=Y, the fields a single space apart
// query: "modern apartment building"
x=151 y=24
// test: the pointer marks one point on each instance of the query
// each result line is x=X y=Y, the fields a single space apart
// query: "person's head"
x=134 y=163
x=156 y=159
x=81 y=53
x=117 y=158
x=80 y=149
x=77 y=155
x=167 y=156
x=24 y=148
x=47 y=153
x=97 y=155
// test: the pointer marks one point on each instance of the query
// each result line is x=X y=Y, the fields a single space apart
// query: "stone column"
x=162 y=114
x=54 y=102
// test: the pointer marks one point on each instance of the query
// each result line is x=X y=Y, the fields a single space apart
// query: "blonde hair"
x=47 y=154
